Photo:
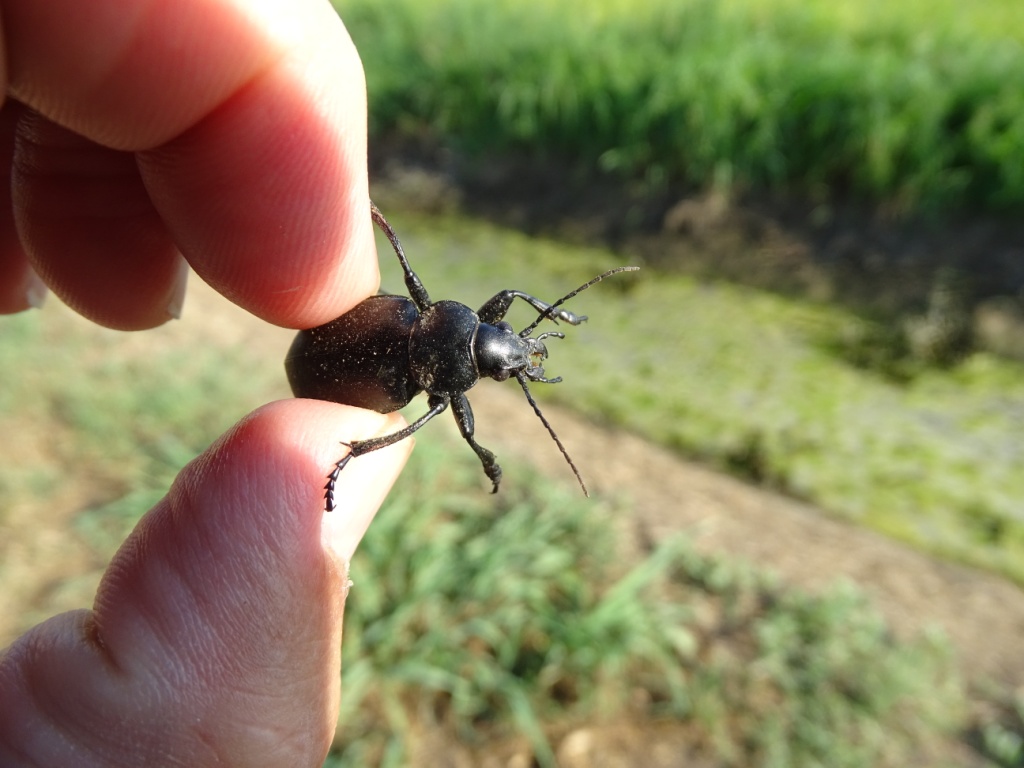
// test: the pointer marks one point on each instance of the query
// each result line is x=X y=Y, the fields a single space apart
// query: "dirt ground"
x=982 y=614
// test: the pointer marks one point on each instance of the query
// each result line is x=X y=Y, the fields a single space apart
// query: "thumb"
x=215 y=635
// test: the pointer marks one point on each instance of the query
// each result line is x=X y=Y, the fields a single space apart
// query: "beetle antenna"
x=536 y=409
x=550 y=310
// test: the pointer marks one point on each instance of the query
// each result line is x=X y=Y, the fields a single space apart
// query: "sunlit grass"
x=509 y=619
x=909 y=105
x=987 y=21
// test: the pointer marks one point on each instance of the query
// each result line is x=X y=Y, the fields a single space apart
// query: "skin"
x=230 y=134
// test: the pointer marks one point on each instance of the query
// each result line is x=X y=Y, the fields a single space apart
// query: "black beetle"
x=388 y=349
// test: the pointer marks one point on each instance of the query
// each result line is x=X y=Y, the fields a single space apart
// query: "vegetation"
x=910 y=104
x=516 y=620
x=752 y=383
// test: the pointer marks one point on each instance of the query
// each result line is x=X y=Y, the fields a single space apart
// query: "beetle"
x=387 y=349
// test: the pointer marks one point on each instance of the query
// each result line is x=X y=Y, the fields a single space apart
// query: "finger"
x=249 y=120
x=90 y=229
x=216 y=629
x=236 y=193
x=133 y=75
x=20 y=288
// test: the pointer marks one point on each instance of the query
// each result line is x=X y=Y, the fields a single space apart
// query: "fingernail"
x=35 y=290
x=177 y=300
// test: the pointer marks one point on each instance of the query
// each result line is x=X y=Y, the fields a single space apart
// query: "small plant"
x=791 y=679
x=1002 y=738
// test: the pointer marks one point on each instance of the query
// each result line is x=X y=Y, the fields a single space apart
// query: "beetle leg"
x=417 y=292
x=547 y=312
x=464 y=418
x=438 y=404
x=494 y=308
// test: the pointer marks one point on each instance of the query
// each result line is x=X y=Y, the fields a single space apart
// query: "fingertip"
x=240 y=564
x=312 y=432
x=268 y=200
x=273 y=464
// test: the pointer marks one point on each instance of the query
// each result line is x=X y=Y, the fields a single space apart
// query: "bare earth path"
x=982 y=614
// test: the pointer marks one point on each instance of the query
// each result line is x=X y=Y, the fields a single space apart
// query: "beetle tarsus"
x=464 y=418
x=332 y=479
x=549 y=310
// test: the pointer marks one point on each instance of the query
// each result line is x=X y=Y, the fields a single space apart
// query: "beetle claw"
x=332 y=480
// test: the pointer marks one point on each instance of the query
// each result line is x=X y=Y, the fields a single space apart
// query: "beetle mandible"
x=386 y=350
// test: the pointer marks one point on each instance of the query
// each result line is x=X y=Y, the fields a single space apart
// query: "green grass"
x=117 y=417
x=914 y=105
x=751 y=382
x=492 y=620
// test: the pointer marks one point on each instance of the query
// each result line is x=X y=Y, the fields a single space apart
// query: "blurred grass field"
x=507 y=627
x=913 y=105
x=500 y=625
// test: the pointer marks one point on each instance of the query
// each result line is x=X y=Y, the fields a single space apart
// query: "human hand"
x=232 y=131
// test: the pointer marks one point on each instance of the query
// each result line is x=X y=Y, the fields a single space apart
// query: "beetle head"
x=501 y=353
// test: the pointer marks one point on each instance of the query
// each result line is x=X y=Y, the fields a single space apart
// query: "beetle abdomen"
x=360 y=359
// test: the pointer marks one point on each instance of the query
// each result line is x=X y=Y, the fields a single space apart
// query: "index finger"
x=248 y=123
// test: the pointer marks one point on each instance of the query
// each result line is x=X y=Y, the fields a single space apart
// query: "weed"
x=497 y=612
